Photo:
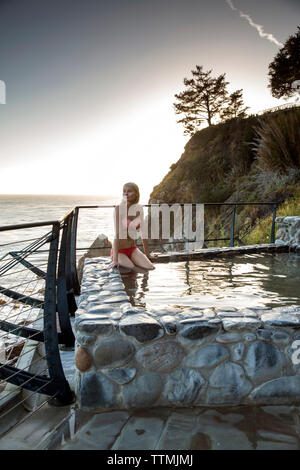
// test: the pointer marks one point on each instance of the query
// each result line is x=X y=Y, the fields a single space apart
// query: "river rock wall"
x=288 y=231
x=129 y=357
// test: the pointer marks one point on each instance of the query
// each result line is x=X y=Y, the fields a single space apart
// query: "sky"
x=88 y=86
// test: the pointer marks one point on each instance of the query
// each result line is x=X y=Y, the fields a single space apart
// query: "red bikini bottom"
x=127 y=251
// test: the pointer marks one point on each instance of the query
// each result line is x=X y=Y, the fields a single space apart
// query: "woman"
x=125 y=253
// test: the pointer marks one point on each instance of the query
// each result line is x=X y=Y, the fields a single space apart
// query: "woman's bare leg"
x=141 y=260
x=125 y=262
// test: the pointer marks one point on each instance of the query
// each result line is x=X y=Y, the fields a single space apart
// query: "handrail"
x=61 y=286
x=58 y=302
x=4 y=228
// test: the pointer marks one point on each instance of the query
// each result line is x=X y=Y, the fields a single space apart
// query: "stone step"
x=38 y=431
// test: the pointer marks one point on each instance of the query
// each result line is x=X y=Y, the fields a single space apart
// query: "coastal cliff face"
x=220 y=164
x=212 y=160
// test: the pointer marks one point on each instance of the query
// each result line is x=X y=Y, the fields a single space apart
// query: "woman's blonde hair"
x=136 y=190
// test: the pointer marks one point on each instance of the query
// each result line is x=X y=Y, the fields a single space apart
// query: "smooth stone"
x=280 y=242
x=207 y=356
x=263 y=361
x=89 y=289
x=97 y=392
x=165 y=310
x=95 y=326
x=143 y=391
x=264 y=334
x=113 y=352
x=130 y=310
x=120 y=376
x=281 y=338
x=114 y=299
x=240 y=323
x=161 y=357
x=114 y=287
x=98 y=298
x=226 y=338
x=200 y=330
x=286 y=309
x=101 y=309
x=228 y=384
x=249 y=337
x=280 y=391
x=142 y=327
x=126 y=306
x=192 y=312
x=83 y=359
x=116 y=315
x=230 y=314
x=225 y=310
x=248 y=312
x=273 y=319
x=183 y=386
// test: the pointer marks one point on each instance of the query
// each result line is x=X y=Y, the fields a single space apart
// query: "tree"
x=203 y=99
x=235 y=106
x=285 y=68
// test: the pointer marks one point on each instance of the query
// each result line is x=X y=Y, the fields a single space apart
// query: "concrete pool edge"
x=129 y=357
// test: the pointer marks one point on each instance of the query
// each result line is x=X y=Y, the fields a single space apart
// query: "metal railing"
x=38 y=289
x=279 y=108
x=232 y=213
x=228 y=220
x=38 y=284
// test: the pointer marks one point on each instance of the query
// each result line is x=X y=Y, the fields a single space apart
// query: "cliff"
x=256 y=159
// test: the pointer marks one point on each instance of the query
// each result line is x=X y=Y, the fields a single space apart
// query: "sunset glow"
x=86 y=112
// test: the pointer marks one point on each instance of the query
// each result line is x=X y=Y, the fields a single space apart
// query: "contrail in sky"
x=258 y=27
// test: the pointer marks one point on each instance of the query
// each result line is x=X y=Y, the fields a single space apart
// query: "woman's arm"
x=116 y=241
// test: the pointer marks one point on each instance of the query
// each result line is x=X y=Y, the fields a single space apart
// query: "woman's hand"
x=152 y=256
x=113 y=265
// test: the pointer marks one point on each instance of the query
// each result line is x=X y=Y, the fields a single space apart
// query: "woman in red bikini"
x=125 y=253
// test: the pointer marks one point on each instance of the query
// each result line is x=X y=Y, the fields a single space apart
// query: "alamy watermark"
x=2 y=92
x=157 y=225
x=296 y=354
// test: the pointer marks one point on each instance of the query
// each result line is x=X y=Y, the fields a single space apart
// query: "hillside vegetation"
x=255 y=159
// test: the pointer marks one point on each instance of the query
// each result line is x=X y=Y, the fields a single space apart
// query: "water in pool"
x=270 y=280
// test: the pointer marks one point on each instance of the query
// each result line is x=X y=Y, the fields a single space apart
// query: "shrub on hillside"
x=277 y=142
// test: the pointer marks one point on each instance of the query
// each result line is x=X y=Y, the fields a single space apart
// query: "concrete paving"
x=232 y=428
x=219 y=428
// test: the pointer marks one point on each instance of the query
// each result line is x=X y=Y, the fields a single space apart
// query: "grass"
x=277 y=144
x=261 y=233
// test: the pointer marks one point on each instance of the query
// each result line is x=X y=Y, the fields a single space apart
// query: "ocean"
x=21 y=209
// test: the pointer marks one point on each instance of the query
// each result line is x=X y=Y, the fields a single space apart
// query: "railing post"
x=74 y=276
x=68 y=271
x=62 y=296
x=232 y=225
x=56 y=372
x=273 y=224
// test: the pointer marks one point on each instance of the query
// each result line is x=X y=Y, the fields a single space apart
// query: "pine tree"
x=285 y=68
x=235 y=106
x=202 y=100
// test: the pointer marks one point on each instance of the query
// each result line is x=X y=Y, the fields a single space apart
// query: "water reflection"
x=241 y=281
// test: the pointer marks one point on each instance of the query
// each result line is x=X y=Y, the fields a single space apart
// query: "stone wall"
x=288 y=232
x=129 y=357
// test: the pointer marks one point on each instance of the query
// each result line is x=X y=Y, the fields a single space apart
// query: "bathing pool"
x=241 y=281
